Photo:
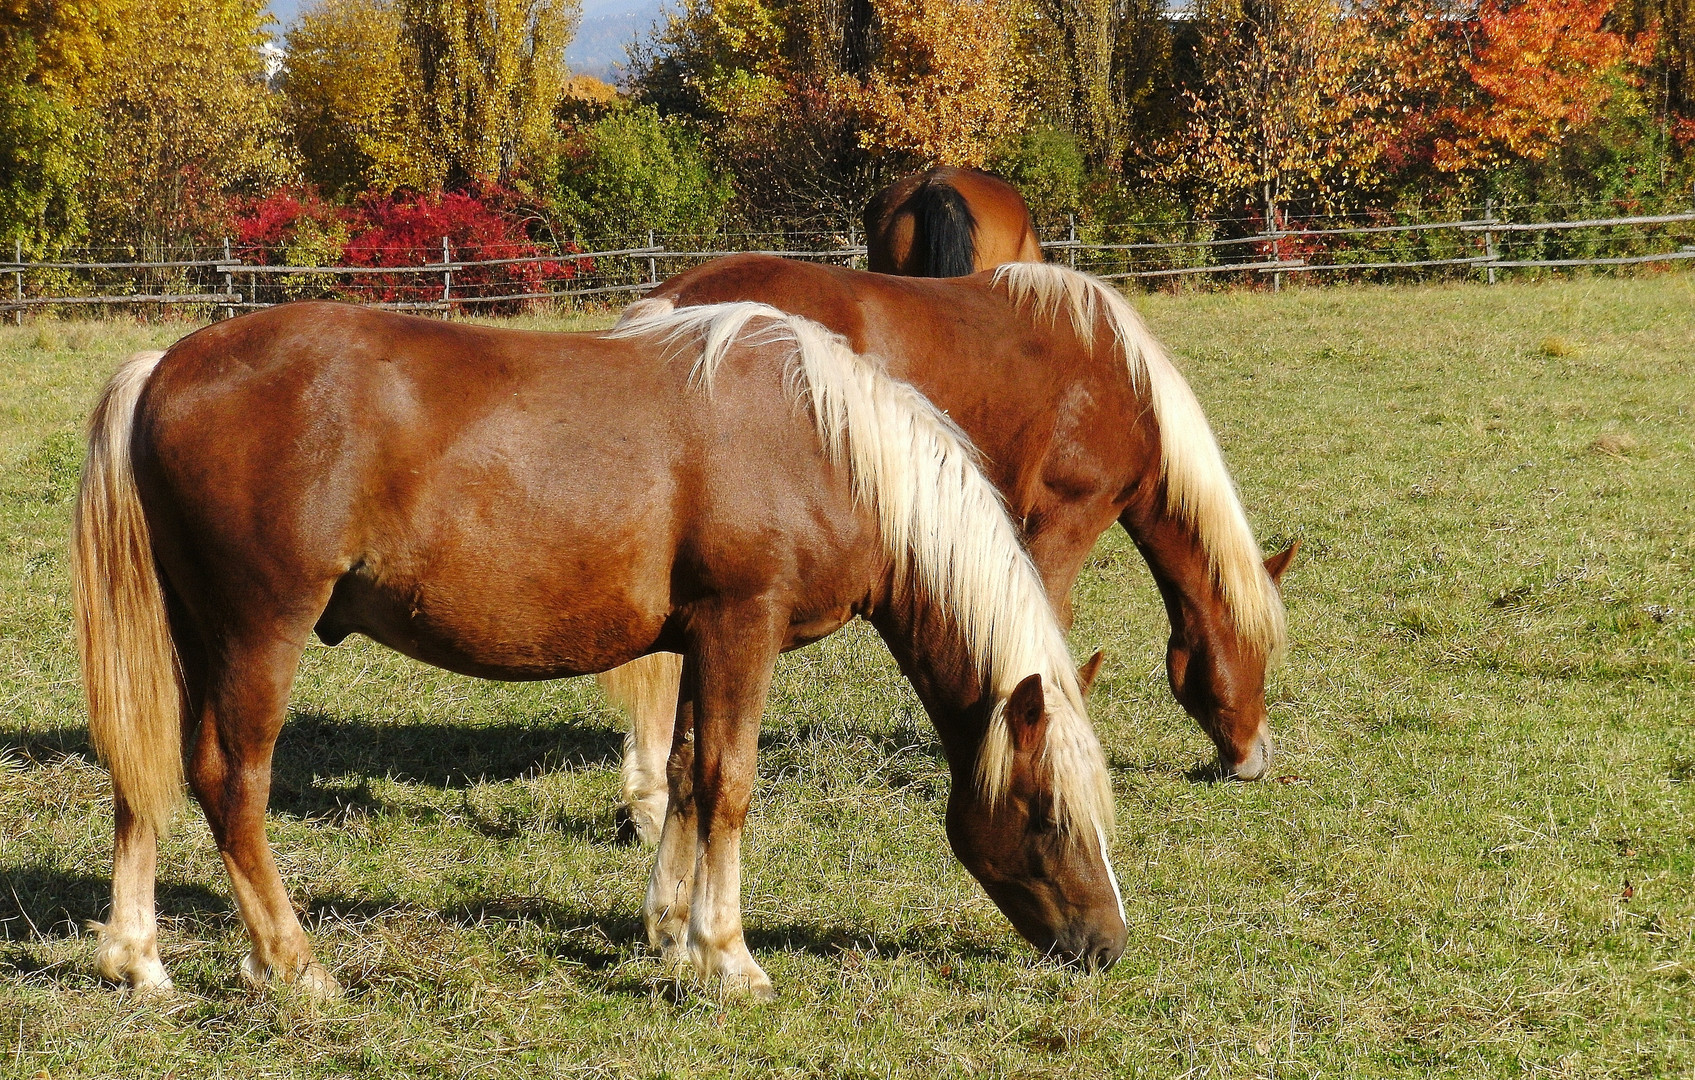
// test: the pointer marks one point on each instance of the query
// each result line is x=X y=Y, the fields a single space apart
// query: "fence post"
x=446 y=273
x=18 y=280
x=853 y=242
x=1071 y=237
x=652 y=264
x=1489 y=250
x=229 y=279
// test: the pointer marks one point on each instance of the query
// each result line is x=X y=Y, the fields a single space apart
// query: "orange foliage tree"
x=1537 y=71
x=943 y=88
x=1478 y=88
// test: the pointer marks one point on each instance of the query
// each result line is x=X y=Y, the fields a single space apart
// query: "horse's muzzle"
x=1092 y=948
x=1257 y=763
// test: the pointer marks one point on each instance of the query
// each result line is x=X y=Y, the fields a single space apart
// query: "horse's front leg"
x=731 y=655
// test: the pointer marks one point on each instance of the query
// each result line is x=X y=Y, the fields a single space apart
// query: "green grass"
x=1487 y=723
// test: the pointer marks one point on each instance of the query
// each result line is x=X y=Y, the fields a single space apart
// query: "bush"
x=1047 y=166
x=289 y=228
x=634 y=170
x=407 y=229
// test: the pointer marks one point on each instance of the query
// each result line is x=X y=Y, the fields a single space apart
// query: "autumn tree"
x=1484 y=91
x=489 y=76
x=1070 y=52
x=352 y=103
x=770 y=82
x=942 y=89
x=816 y=103
x=185 y=117
x=1284 y=109
x=1538 y=71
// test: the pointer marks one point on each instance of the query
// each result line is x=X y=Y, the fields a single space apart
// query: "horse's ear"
x=1092 y=667
x=1027 y=714
x=1276 y=564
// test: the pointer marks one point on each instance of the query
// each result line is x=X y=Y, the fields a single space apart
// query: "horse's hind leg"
x=128 y=951
x=230 y=772
x=129 y=938
x=646 y=689
x=671 y=887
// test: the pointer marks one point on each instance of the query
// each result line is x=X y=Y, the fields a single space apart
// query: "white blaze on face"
x=1112 y=876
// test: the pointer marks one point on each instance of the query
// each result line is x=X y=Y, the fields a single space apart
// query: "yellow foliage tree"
x=1286 y=109
x=943 y=88
x=70 y=37
x=185 y=116
x=490 y=73
x=352 y=101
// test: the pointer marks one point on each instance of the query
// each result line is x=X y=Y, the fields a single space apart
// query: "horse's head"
x=1054 y=883
x=1220 y=681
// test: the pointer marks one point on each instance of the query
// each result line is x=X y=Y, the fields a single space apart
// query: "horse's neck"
x=935 y=659
x=1180 y=566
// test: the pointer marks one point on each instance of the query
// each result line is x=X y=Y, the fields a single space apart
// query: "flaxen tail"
x=129 y=664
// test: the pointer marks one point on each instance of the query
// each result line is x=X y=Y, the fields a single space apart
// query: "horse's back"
x=1053 y=416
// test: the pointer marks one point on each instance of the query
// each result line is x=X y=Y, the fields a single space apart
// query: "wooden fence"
x=435 y=280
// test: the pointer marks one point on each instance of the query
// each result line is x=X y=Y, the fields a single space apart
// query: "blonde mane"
x=1198 y=487
x=942 y=524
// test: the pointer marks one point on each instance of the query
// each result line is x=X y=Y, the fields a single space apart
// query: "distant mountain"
x=598 y=49
x=607 y=27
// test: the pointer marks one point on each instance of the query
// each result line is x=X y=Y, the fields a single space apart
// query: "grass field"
x=1479 y=858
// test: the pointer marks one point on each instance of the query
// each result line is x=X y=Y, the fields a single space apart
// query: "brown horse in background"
x=1082 y=421
x=724 y=482
x=948 y=222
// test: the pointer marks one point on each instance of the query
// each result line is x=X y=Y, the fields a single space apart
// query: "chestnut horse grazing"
x=726 y=482
x=1082 y=421
x=948 y=222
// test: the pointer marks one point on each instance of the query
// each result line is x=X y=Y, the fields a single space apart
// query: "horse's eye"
x=1042 y=819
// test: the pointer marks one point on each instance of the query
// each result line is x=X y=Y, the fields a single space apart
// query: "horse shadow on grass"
x=606 y=941
x=44 y=903
x=37 y=746
x=40 y=902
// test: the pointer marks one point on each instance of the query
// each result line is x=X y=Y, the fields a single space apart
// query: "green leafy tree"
x=634 y=170
x=1047 y=166
x=43 y=160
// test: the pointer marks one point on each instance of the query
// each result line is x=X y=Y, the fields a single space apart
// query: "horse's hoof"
x=752 y=985
x=313 y=980
x=317 y=983
x=674 y=956
x=129 y=964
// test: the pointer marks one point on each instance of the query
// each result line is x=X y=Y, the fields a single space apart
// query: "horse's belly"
x=497 y=626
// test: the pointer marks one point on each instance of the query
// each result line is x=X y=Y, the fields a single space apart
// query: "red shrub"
x=286 y=226
x=407 y=230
